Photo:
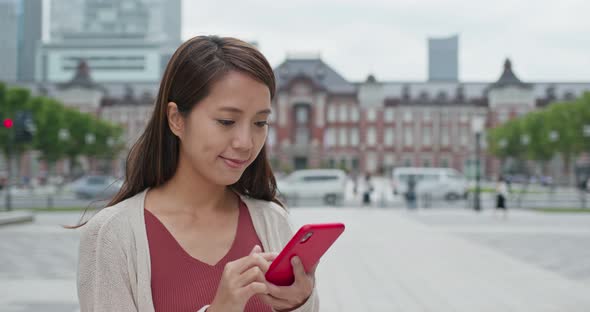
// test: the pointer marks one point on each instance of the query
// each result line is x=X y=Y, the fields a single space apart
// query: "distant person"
x=411 y=193
x=501 y=196
x=368 y=190
x=508 y=181
x=355 y=184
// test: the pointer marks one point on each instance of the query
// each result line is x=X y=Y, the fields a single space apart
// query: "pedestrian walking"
x=501 y=196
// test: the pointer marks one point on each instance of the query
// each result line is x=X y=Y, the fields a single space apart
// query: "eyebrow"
x=237 y=110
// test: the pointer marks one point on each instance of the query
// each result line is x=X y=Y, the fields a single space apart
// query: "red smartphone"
x=309 y=244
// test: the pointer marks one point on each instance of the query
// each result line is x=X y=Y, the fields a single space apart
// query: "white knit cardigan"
x=114 y=271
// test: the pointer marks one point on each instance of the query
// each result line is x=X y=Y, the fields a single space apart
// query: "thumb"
x=298 y=269
x=256 y=249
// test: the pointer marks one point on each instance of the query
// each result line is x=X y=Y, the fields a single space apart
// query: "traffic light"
x=7 y=123
x=24 y=126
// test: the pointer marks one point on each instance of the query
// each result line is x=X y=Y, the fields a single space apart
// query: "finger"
x=256 y=249
x=245 y=263
x=262 y=259
x=275 y=303
x=255 y=288
x=254 y=274
x=279 y=292
x=298 y=269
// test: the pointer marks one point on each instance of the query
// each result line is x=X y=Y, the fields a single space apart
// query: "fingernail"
x=294 y=260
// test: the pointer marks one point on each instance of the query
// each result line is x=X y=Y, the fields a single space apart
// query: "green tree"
x=50 y=120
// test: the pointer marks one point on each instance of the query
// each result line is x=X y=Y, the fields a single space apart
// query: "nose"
x=243 y=138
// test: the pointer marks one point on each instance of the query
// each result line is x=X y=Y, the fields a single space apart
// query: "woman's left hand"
x=287 y=298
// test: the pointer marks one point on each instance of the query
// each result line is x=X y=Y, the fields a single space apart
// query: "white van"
x=327 y=185
x=439 y=183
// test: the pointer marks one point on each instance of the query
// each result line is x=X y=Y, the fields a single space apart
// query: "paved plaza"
x=387 y=260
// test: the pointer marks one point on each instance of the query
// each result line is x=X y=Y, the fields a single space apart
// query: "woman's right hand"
x=241 y=279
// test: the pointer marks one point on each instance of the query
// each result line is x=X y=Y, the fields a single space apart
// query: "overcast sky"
x=546 y=40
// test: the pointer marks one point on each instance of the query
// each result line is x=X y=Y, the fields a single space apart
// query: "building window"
x=464 y=137
x=331 y=163
x=427 y=115
x=354 y=137
x=371 y=114
x=355 y=163
x=464 y=117
x=343 y=164
x=343 y=136
x=332 y=112
x=302 y=115
x=444 y=163
x=329 y=137
x=407 y=115
x=354 y=113
x=426 y=136
x=426 y=162
x=389 y=114
x=343 y=112
x=408 y=136
x=302 y=136
x=389 y=160
x=371 y=136
x=408 y=162
x=444 y=140
x=371 y=162
x=389 y=137
x=444 y=115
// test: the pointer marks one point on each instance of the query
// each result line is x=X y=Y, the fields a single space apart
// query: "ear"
x=175 y=119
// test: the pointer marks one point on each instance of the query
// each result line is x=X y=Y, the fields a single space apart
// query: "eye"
x=262 y=123
x=225 y=122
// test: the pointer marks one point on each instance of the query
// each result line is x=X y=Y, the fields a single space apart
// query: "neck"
x=191 y=193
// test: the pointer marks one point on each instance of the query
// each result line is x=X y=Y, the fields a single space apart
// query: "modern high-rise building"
x=8 y=40
x=443 y=59
x=121 y=41
x=20 y=35
x=29 y=37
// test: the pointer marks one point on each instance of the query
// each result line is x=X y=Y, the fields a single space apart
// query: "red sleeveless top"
x=183 y=283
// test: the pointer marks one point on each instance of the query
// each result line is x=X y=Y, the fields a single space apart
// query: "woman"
x=197 y=223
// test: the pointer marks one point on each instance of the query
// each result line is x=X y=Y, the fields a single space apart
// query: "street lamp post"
x=89 y=139
x=584 y=184
x=477 y=124
x=10 y=143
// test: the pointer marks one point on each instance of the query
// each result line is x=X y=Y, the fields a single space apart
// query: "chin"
x=227 y=180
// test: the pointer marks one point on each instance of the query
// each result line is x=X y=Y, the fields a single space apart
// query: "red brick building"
x=322 y=120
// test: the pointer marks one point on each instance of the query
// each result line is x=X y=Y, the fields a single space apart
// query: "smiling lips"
x=234 y=163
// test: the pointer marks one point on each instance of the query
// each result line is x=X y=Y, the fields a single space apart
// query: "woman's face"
x=225 y=131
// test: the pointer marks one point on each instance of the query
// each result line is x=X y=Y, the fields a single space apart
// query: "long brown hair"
x=191 y=71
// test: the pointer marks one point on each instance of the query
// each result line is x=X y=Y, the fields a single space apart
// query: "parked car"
x=327 y=185
x=437 y=183
x=95 y=186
